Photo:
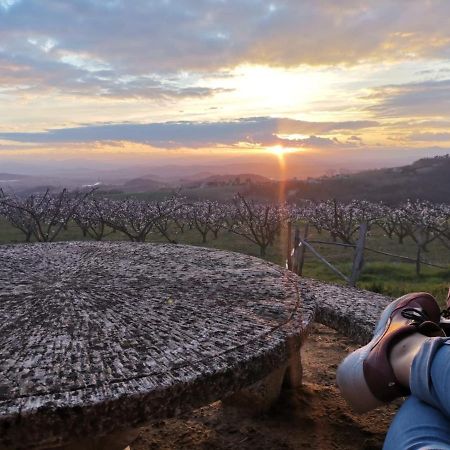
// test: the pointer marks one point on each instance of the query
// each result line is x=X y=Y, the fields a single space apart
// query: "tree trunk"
x=419 y=253
x=289 y=246
x=302 y=250
x=358 y=258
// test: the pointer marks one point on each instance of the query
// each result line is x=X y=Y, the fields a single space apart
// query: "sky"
x=325 y=85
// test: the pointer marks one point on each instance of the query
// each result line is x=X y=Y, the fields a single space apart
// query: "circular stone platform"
x=97 y=337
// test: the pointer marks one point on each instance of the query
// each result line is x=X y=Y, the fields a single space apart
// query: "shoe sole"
x=350 y=373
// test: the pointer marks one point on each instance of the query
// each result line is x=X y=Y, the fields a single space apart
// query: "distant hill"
x=11 y=177
x=143 y=184
x=227 y=180
x=426 y=179
x=27 y=184
x=194 y=177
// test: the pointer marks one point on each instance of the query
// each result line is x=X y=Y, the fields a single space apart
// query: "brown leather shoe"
x=365 y=377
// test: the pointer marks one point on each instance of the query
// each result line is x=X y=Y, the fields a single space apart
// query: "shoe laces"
x=416 y=315
x=421 y=320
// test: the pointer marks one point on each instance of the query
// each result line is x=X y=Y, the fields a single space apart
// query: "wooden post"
x=289 y=246
x=296 y=250
x=418 y=256
x=358 y=260
x=420 y=242
x=302 y=251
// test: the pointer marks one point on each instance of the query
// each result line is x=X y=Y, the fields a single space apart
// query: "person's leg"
x=418 y=425
x=430 y=374
x=408 y=354
x=423 y=421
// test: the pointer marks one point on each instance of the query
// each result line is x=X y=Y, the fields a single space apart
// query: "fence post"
x=289 y=246
x=302 y=249
x=420 y=242
x=295 y=254
x=358 y=260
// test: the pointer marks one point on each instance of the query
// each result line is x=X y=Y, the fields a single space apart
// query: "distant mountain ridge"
x=425 y=179
x=143 y=184
x=11 y=176
x=227 y=180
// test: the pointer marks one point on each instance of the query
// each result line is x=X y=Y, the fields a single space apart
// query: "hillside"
x=426 y=179
x=144 y=184
x=228 y=180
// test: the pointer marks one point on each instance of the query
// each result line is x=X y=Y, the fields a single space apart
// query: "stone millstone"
x=98 y=337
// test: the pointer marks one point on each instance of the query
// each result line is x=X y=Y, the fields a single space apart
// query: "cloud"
x=125 y=48
x=264 y=131
x=424 y=99
x=20 y=74
x=289 y=126
x=314 y=141
x=423 y=124
x=355 y=140
x=431 y=137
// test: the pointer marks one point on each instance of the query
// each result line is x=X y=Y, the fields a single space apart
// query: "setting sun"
x=279 y=150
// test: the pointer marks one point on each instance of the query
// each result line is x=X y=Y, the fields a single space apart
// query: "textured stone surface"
x=97 y=337
x=353 y=312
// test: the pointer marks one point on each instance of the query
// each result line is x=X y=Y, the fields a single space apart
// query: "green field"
x=381 y=274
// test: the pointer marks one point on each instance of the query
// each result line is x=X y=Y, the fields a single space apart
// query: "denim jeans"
x=423 y=421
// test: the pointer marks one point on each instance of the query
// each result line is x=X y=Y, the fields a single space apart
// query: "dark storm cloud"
x=258 y=130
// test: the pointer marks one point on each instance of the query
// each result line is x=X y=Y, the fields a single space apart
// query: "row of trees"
x=42 y=217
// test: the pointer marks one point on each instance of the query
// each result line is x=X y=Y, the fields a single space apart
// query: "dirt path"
x=314 y=418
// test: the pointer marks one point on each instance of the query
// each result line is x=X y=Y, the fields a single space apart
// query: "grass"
x=382 y=274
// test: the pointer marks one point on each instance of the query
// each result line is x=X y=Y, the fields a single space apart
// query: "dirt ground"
x=315 y=417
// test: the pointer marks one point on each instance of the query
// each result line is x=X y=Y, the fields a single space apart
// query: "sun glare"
x=279 y=150
x=276 y=150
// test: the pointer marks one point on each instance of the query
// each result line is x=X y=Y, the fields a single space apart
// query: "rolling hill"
x=426 y=179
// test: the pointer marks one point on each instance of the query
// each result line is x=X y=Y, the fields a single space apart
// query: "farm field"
x=386 y=275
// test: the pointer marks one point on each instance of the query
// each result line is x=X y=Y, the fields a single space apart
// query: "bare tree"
x=206 y=216
x=166 y=211
x=15 y=216
x=137 y=219
x=394 y=223
x=342 y=220
x=45 y=215
x=426 y=222
x=90 y=216
x=259 y=223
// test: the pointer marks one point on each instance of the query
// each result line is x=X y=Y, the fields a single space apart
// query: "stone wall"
x=353 y=312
